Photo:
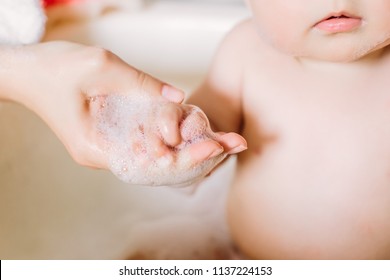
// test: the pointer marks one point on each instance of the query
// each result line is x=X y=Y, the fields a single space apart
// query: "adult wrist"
x=16 y=77
x=9 y=62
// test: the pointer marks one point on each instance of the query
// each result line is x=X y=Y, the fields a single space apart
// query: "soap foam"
x=128 y=127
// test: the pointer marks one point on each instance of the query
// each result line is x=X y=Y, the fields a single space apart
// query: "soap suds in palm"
x=129 y=128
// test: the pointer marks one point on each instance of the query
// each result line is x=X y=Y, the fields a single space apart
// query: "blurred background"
x=50 y=208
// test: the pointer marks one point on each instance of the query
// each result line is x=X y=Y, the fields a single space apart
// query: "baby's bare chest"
x=318 y=134
x=317 y=171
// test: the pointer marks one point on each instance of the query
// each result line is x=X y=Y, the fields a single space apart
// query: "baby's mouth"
x=332 y=17
x=338 y=23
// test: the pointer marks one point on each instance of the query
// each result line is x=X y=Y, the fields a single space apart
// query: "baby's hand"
x=151 y=141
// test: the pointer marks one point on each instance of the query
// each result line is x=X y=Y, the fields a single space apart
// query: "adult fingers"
x=168 y=122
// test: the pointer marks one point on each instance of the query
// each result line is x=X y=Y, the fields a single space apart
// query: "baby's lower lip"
x=339 y=24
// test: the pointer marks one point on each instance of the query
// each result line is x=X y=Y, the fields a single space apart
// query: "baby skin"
x=309 y=90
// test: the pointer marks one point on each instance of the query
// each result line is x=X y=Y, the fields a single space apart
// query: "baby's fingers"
x=233 y=143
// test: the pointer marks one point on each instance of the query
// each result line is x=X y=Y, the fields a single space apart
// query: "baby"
x=306 y=84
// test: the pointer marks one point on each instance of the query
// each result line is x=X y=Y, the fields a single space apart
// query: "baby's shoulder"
x=245 y=44
x=230 y=59
x=242 y=38
x=242 y=30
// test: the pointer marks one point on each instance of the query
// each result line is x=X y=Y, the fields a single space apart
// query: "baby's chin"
x=332 y=58
x=346 y=54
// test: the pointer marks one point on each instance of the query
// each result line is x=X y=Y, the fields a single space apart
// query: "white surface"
x=21 y=22
x=50 y=208
x=173 y=40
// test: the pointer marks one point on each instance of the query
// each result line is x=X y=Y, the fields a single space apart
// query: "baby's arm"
x=220 y=96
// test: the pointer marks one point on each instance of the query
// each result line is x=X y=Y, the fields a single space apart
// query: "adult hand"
x=57 y=80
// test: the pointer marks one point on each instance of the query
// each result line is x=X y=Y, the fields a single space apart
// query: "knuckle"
x=99 y=58
x=142 y=79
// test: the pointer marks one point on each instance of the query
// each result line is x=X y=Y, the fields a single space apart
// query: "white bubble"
x=129 y=130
